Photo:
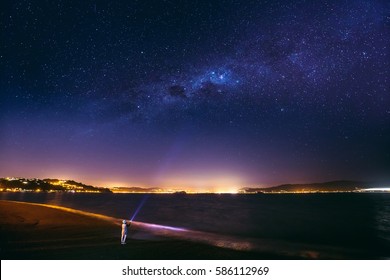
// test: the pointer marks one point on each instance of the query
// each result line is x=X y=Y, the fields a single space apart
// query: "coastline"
x=39 y=231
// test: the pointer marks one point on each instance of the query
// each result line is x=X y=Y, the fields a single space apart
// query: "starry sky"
x=208 y=95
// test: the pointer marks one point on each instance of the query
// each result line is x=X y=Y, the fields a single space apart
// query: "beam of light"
x=165 y=227
x=71 y=210
x=139 y=207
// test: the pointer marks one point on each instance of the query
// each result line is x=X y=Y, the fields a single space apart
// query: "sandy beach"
x=35 y=231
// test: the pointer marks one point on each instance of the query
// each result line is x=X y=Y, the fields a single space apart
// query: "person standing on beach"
x=125 y=225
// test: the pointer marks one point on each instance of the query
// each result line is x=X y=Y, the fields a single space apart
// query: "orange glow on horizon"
x=189 y=184
x=204 y=183
x=199 y=183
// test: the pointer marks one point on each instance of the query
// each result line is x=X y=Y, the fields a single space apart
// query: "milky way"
x=227 y=93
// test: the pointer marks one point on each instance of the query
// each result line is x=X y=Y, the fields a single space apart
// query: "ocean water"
x=350 y=225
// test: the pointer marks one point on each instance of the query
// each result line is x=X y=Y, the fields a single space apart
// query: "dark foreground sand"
x=32 y=231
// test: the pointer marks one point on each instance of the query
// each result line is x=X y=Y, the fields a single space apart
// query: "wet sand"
x=35 y=231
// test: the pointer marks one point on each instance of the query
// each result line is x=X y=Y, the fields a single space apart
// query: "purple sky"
x=208 y=95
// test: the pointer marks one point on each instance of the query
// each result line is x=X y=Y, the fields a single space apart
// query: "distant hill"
x=46 y=185
x=334 y=186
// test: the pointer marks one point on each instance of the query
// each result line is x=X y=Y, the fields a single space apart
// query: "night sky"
x=211 y=95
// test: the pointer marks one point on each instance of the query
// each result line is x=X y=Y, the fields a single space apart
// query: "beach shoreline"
x=40 y=231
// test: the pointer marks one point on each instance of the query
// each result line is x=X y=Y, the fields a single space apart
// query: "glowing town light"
x=377 y=190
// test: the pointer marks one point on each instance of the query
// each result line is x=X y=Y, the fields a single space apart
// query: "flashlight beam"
x=139 y=207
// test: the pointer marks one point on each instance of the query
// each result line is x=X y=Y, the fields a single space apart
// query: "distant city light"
x=387 y=189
